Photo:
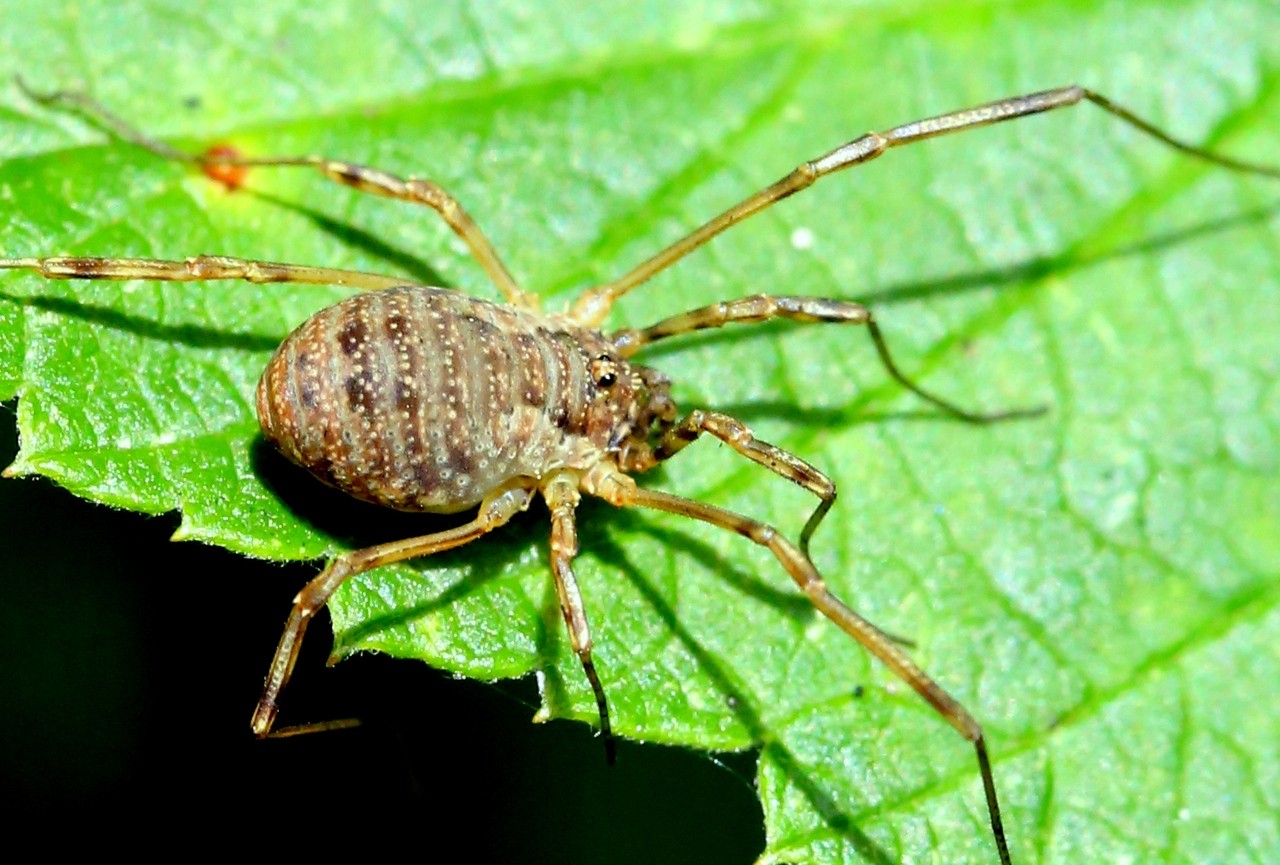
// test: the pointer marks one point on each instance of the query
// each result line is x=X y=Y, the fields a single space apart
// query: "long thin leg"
x=738 y=436
x=412 y=190
x=197 y=268
x=594 y=305
x=496 y=510
x=561 y=493
x=620 y=490
x=762 y=307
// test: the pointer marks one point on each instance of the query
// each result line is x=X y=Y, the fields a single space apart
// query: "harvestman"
x=585 y=419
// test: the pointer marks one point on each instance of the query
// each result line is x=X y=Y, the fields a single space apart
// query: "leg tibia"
x=495 y=511
x=196 y=269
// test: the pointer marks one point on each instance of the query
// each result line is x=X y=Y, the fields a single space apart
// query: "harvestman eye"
x=603 y=371
x=424 y=439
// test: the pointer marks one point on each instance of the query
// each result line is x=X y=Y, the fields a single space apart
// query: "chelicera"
x=425 y=399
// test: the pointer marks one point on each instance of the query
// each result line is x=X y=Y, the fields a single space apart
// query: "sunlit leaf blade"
x=1098 y=585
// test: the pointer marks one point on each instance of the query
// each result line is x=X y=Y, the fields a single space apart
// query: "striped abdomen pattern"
x=427 y=399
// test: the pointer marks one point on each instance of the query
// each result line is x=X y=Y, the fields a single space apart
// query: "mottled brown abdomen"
x=426 y=399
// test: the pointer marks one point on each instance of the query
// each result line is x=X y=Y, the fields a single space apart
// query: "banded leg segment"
x=561 y=493
x=195 y=269
x=745 y=310
x=414 y=191
x=738 y=436
x=594 y=305
x=495 y=511
x=620 y=490
x=365 y=179
x=763 y=307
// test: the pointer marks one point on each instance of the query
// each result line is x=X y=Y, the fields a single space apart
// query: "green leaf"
x=1098 y=586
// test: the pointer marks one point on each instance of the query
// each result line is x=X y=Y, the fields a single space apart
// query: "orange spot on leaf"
x=230 y=176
